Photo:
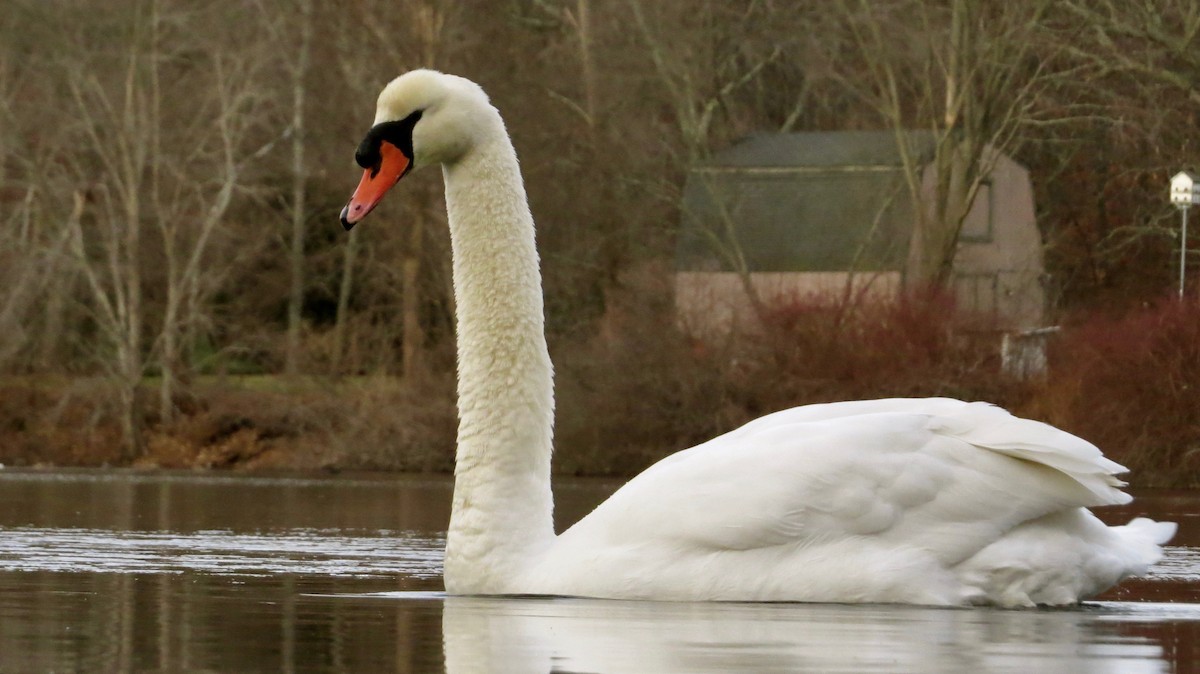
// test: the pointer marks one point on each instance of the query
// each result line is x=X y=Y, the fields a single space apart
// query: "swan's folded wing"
x=949 y=482
x=993 y=428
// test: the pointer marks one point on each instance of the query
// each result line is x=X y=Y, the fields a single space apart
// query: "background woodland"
x=175 y=289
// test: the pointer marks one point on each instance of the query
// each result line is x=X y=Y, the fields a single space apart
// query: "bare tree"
x=115 y=127
x=158 y=175
x=423 y=25
x=1142 y=69
x=299 y=73
x=701 y=76
x=30 y=272
x=189 y=220
x=1152 y=39
x=35 y=300
x=969 y=76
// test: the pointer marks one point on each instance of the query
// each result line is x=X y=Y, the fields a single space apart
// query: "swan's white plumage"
x=885 y=500
x=933 y=501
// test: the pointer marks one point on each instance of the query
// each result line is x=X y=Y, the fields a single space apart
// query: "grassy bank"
x=632 y=394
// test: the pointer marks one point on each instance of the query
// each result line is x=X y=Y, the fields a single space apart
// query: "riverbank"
x=242 y=423
x=1130 y=384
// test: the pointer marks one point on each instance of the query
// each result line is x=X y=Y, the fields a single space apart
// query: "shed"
x=831 y=212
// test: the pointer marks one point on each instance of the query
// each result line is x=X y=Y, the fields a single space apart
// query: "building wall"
x=999 y=268
x=713 y=304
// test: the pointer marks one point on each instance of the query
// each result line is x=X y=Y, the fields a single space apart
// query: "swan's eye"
x=368 y=157
x=398 y=133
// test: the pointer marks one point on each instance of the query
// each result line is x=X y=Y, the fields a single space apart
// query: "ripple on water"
x=1145 y=611
x=299 y=551
x=1180 y=564
x=309 y=551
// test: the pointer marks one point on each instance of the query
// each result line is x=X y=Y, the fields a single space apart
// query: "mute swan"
x=923 y=501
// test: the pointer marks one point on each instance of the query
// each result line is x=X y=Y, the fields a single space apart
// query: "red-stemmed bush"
x=1131 y=384
x=823 y=348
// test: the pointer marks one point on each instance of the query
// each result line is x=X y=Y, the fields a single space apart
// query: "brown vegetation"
x=1130 y=382
x=642 y=390
x=171 y=173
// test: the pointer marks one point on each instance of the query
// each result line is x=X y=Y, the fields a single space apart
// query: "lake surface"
x=170 y=572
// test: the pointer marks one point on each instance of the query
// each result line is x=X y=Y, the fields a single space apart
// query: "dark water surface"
x=126 y=571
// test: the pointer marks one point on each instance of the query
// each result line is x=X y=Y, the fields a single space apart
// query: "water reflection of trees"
x=188 y=621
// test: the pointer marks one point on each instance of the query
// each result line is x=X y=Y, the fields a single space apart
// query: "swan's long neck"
x=502 y=513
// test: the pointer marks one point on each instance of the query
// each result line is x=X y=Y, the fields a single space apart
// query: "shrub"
x=1131 y=384
x=823 y=348
x=632 y=395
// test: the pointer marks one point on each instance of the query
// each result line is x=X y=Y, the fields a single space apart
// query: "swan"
x=919 y=501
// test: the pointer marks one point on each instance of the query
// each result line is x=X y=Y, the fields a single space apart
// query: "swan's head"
x=422 y=118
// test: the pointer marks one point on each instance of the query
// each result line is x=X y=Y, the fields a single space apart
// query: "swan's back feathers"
x=873 y=486
x=984 y=426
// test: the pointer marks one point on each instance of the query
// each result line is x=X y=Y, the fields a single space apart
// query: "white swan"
x=931 y=501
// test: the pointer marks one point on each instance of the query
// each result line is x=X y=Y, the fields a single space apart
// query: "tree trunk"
x=349 y=257
x=588 y=70
x=131 y=365
x=412 y=320
x=130 y=407
x=299 y=194
x=413 y=337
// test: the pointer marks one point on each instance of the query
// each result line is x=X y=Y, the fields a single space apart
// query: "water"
x=124 y=571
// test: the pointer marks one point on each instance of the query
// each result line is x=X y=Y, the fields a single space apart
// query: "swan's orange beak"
x=375 y=183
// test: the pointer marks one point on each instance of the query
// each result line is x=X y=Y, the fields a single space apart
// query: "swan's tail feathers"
x=1143 y=539
x=1061 y=559
x=990 y=427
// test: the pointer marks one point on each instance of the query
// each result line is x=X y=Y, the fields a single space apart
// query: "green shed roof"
x=826 y=201
x=821 y=149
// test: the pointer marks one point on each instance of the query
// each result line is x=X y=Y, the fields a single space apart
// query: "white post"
x=1183 y=252
x=1185 y=193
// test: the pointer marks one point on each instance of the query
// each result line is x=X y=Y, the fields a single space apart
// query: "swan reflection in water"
x=535 y=635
